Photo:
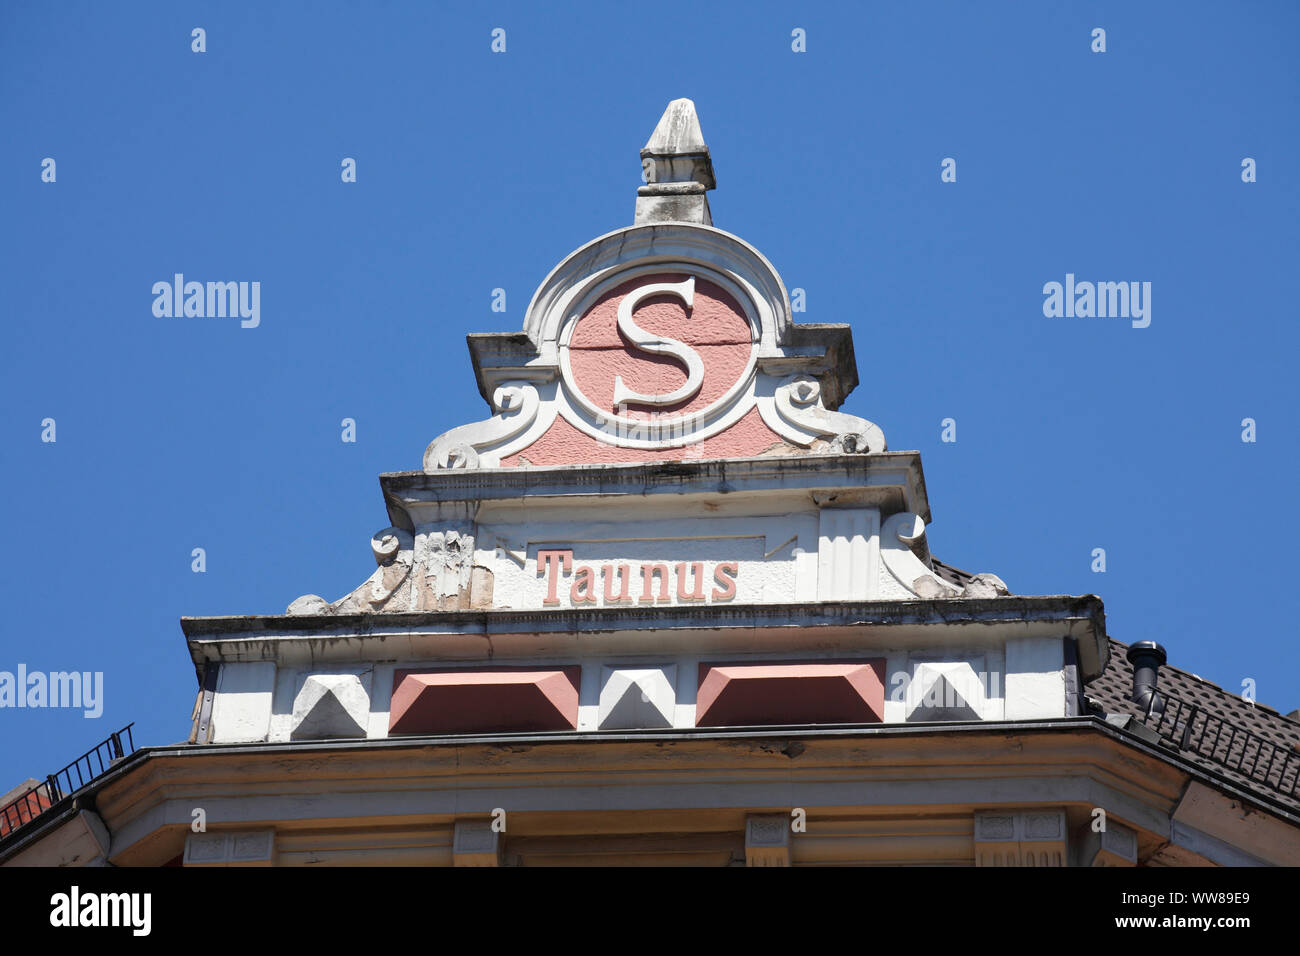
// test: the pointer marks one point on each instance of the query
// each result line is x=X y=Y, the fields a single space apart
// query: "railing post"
x=1187 y=730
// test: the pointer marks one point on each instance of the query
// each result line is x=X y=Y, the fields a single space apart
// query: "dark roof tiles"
x=1221 y=749
x=954 y=576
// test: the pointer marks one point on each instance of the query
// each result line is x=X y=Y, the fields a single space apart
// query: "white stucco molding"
x=905 y=553
x=792 y=407
x=724 y=629
x=529 y=381
x=1034 y=683
x=524 y=412
x=906 y=556
x=891 y=481
x=667 y=247
x=241 y=709
x=438 y=555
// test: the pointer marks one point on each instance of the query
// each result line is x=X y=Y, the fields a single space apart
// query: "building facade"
x=668 y=605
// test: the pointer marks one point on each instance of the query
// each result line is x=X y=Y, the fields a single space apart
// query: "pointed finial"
x=677 y=170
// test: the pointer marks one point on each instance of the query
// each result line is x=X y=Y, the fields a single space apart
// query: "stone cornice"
x=133 y=793
x=1087 y=758
x=410 y=635
x=823 y=474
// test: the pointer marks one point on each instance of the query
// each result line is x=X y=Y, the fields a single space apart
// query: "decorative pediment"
x=664 y=340
x=669 y=340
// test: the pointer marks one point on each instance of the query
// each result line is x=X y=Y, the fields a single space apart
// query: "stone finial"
x=677 y=170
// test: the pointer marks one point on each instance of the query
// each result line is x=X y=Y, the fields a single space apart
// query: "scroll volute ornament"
x=479 y=444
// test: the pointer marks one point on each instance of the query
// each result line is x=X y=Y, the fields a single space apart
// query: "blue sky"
x=478 y=170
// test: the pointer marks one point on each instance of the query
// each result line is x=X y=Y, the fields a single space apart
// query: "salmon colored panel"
x=715 y=327
x=822 y=693
x=485 y=701
x=714 y=319
x=594 y=371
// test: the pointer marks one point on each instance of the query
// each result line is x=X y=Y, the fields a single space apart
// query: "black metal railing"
x=68 y=780
x=1189 y=727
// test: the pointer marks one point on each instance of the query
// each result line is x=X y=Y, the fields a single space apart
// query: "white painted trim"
x=241 y=707
x=660 y=245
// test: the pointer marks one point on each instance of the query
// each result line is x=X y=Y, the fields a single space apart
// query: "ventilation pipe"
x=1146 y=658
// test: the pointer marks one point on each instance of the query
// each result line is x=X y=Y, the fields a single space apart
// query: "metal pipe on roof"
x=1146 y=658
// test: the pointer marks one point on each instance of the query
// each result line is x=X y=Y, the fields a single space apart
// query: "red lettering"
x=584 y=586
x=727 y=585
x=625 y=578
x=698 y=593
x=648 y=572
x=549 y=562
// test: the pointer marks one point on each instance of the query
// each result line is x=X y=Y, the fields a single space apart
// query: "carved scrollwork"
x=393 y=549
x=433 y=570
x=803 y=419
x=480 y=444
x=905 y=553
x=387 y=544
x=462 y=455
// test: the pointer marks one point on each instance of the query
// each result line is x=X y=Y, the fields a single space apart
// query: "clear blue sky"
x=479 y=170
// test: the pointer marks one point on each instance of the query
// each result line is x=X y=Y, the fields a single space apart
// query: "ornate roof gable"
x=660 y=414
x=668 y=339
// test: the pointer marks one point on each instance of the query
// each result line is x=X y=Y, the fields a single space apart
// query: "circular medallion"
x=659 y=350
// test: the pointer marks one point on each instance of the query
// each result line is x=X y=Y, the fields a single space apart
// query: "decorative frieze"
x=767 y=840
x=230 y=848
x=1116 y=845
x=476 y=843
x=1020 y=838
